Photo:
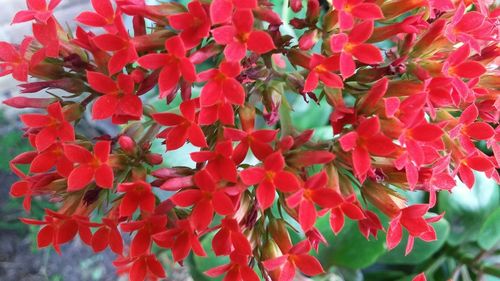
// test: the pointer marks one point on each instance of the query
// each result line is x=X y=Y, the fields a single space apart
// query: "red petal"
x=347 y=65
x=76 y=153
x=104 y=107
x=331 y=80
x=367 y=53
x=103 y=7
x=221 y=11
x=100 y=239
x=223 y=204
x=367 y=11
x=265 y=194
x=45 y=236
x=308 y=265
x=311 y=82
x=109 y=42
x=260 y=42
x=426 y=132
x=168 y=119
x=361 y=161
x=175 y=46
x=286 y=181
x=153 y=61
x=186 y=198
x=361 y=32
x=274 y=162
x=479 y=131
x=470 y=69
x=252 y=176
x=196 y=136
x=233 y=91
x=307 y=215
x=91 y=19
x=141 y=243
x=202 y=214
x=480 y=163
x=104 y=176
x=235 y=51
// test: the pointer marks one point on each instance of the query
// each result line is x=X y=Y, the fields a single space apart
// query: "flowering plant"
x=411 y=87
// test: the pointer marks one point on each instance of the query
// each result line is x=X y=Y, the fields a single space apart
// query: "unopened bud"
x=154 y=158
x=127 y=144
x=279 y=232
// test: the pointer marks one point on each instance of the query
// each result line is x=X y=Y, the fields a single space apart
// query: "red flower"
x=236 y=270
x=365 y=140
x=194 y=24
x=46 y=34
x=249 y=138
x=13 y=60
x=148 y=226
x=184 y=127
x=222 y=85
x=230 y=239
x=457 y=67
x=411 y=218
x=120 y=44
x=59 y=229
x=350 y=9
x=321 y=69
x=240 y=36
x=144 y=267
x=181 y=240
x=138 y=194
x=117 y=100
x=107 y=235
x=174 y=65
x=220 y=164
x=353 y=46
x=269 y=177
x=50 y=157
x=350 y=208
x=37 y=10
x=207 y=198
x=50 y=127
x=221 y=10
x=297 y=257
x=103 y=17
x=314 y=192
x=90 y=166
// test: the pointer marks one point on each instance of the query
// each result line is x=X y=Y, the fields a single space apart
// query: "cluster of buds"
x=405 y=117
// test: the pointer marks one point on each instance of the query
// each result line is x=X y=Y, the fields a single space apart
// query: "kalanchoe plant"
x=412 y=85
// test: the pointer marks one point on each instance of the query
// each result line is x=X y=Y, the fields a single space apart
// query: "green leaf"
x=489 y=234
x=466 y=210
x=349 y=248
x=310 y=115
x=421 y=250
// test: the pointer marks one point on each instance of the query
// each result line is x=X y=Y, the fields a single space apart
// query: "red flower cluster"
x=406 y=116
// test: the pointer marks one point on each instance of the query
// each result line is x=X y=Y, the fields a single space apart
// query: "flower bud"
x=270 y=251
x=308 y=39
x=127 y=144
x=383 y=198
x=154 y=158
x=23 y=102
x=296 y=5
x=279 y=233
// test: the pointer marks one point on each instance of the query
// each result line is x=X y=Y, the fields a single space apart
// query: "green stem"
x=285 y=119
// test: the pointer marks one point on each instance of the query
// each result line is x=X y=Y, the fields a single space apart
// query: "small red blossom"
x=207 y=198
x=181 y=239
x=348 y=10
x=220 y=163
x=50 y=127
x=13 y=59
x=321 y=69
x=91 y=166
x=194 y=24
x=365 y=140
x=144 y=267
x=269 y=177
x=240 y=37
x=173 y=64
x=138 y=194
x=118 y=99
x=236 y=270
x=183 y=127
x=38 y=10
x=352 y=46
x=221 y=10
x=229 y=239
x=145 y=229
x=104 y=15
x=297 y=257
x=107 y=235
